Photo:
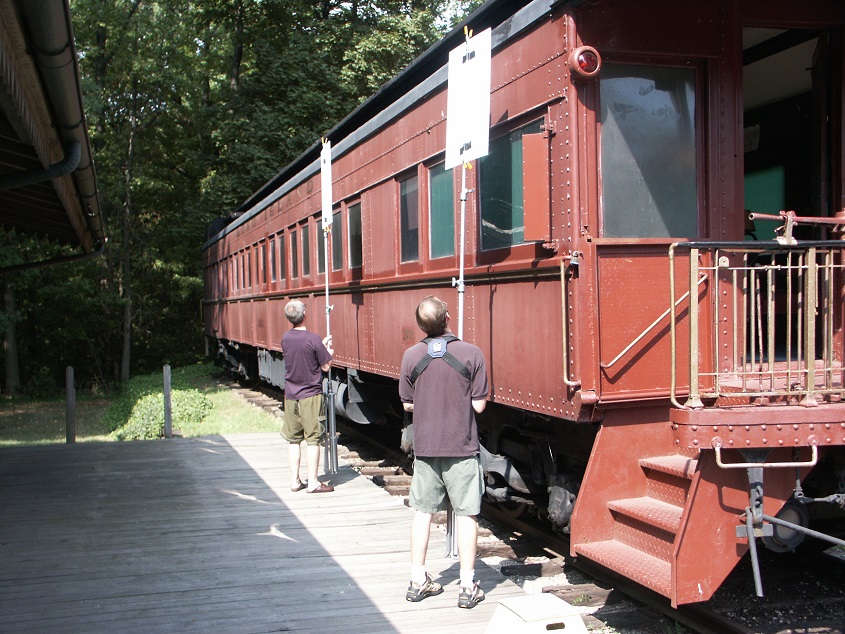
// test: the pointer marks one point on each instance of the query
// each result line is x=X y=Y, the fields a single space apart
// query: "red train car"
x=666 y=367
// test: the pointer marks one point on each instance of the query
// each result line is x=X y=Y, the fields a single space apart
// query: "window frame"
x=703 y=106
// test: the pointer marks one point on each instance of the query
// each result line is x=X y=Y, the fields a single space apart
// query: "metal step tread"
x=650 y=511
x=646 y=569
x=677 y=465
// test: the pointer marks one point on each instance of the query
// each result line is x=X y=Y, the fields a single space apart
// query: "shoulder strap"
x=438 y=349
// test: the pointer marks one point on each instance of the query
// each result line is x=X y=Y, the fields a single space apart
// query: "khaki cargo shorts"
x=305 y=419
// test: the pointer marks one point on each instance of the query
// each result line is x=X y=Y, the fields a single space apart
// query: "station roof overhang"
x=48 y=185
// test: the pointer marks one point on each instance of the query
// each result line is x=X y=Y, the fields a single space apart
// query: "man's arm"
x=479 y=404
x=327 y=342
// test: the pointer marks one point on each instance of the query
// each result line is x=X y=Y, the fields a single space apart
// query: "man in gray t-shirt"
x=444 y=397
x=306 y=358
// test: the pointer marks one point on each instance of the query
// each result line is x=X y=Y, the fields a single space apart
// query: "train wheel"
x=785 y=539
x=511 y=509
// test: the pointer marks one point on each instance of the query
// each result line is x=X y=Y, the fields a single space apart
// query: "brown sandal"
x=323 y=488
x=298 y=487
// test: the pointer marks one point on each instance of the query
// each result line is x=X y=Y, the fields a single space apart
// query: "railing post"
x=810 y=301
x=694 y=399
x=70 y=407
x=168 y=412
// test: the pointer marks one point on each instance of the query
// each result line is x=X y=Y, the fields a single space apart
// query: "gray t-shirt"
x=444 y=421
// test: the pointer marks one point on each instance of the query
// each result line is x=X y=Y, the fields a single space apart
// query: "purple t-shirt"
x=305 y=355
x=444 y=421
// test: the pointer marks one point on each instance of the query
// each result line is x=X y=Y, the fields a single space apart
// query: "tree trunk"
x=237 y=46
x=10 y=346
x=126 y=256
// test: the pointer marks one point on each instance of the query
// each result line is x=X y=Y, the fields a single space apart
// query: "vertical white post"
x=330 y=448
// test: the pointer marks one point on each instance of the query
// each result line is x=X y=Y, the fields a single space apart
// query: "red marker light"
x=584 y=63
x=588 y=61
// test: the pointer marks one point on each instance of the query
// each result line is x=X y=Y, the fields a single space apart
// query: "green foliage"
x=138 y=410
x=147 y=418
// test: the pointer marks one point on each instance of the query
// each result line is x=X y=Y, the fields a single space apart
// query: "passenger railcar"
x=665 y=346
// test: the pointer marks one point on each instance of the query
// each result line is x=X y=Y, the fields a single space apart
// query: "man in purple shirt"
x=306 y=358
x=444 y=383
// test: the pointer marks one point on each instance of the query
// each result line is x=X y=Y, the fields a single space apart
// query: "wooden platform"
x=204 y=535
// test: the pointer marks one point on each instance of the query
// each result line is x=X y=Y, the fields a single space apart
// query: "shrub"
x=147 y=418
x=138 y=411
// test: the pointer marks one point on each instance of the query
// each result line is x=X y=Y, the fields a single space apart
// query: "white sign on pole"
x=468 y=101
x=326 y=182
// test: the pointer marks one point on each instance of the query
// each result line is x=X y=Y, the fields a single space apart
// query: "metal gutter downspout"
x=62 y=168
x=65 y=259
x=50 y=32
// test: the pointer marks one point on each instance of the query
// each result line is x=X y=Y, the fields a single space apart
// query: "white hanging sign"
x=468 y=101
x=326 y=182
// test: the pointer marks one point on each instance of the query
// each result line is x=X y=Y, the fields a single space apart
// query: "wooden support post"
x=168 y=412
x=70 y=407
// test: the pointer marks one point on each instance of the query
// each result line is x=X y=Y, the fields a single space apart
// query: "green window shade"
x=442 y=212
x=502 y=223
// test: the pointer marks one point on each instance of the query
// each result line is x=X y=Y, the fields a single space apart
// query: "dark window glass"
x=442 y=212
x=648 y=152
x=356 y=238
x=502 y=223
x=306 y=251
x=321 y=248
x=283 y=265
x=272 y=253
x=409 y=219
x=337 y=242
x=263 y=262
x=294 y=255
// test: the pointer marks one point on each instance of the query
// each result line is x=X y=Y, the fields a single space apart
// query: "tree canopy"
x=192 y=107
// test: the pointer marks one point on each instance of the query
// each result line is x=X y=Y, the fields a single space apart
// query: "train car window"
x=500 y=173
x=282 y=261
x=235 y=273
x=272 y=254
x=356 y=237
x=441 y=212
x=409 y=218
x=337 y=241
x=248 y=271
x=262 y=262
x=294 y=255
x=306 y=250
x=648 y=152
x=321 y=248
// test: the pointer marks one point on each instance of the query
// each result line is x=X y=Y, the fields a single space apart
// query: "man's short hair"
x=431 y=316
x=295 y=311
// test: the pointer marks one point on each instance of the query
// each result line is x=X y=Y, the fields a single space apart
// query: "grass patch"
x=208 y=407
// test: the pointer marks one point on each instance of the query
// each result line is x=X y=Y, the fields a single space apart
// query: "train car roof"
x=48 y=186
x=425 y=74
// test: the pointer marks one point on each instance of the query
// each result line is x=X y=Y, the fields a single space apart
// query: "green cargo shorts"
x=461 y=479
x=305 y=419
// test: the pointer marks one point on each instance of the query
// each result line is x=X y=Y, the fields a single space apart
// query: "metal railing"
x=770 y=314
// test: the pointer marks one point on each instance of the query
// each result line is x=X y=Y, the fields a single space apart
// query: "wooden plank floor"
x=204 y=535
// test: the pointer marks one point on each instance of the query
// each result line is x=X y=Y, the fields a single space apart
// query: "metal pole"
x=331 y=443
x=451 y=525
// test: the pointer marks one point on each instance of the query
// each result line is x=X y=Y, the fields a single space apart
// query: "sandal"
x=298 y=487
x=323 y=488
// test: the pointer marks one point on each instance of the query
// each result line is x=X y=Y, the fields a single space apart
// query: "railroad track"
x=806 y=595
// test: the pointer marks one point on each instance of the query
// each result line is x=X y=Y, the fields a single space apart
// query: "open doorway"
x=785 y=90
